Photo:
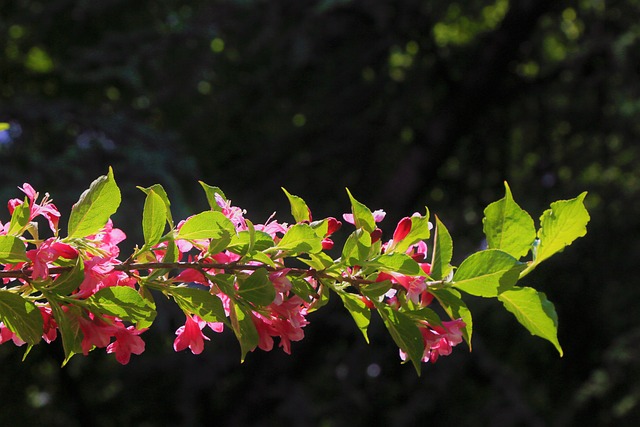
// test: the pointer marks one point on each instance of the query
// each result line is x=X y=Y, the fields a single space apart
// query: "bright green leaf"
x=487 y=273
x=244 y=328
x=405 y=333
x=357 y=247
x=19 y=219
x=207 y=225
x=210 y=192
x=299 y=209
x=302 y=288
x=160 y=191
x=300 y=238
x=508 y=227
x=257 y=288
x=362 y=216
x=199 y=302
x=69 y=327
x=399 y=263
x=21 y=316
x=442 y=252
x=359 y=311
x=534 y=311
x=420 y=230
x=454 y=306
x=241 y=243
x=95 y=206
x=123 y=302
x=12 y=250
x=68 y=281
x=319 y=261
x=154 y=217
x=561 y=225
x=375 y=290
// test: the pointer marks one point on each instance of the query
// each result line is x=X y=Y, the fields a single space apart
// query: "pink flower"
x=95 y=333
x=6 y=335
x=45 y=208
x=127 y=342
x=378 y=215
x=439 y=340
x=49 y=332
x=190 y=335
x=49 y=251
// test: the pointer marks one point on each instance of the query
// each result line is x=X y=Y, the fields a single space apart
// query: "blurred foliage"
x=407 y=103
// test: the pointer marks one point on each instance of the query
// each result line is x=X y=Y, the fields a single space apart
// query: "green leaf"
x=12 y=250
x=123 y=302
x=404 y=332
x=302 y=288
x=241 y=243
x=357 y=247
x=487 y=273
x=359 y=311
x=300 y=238
x=207 y=225
x=534 y=312
x=299 y=209
x=154 y=217
x=69 y=327
x=244 y=328
x=159 y=190
x=399 y=263
x=21 y=316
x=420 y=230
x=199 y=302
x=561 y=225
x=454 y=306
x=373 y=291
x=257 y=288
x=319 y=261
x=19 y=219
x=362 y=216
x=508 y=227
x=68 y=281
x=95 y=206
x=442 y=252
x=211 y=192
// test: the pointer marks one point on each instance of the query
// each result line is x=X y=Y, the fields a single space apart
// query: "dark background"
x=408 y=103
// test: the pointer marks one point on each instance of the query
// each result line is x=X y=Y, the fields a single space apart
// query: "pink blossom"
x=190 y=335
x=49 y=251
x=6 y=335
x=96 y=333
x=45 y=208
x=127 y=342
x=285 y=321
x=49 y=332
x=439 y=340
x=235 y=214
x=378 y=215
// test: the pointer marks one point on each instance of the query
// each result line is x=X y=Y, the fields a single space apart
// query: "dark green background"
x=405 y=102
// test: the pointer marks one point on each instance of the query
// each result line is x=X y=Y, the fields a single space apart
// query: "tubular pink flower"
x=190 y=335
x=127 y=342
x=6 y=335
x=95 y=333
x=402 y=229
x=49 y=251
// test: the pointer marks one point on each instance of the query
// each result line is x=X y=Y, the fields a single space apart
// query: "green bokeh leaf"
x=487 y=273
x=561 y=225
x=442 y=252
x=508 y=227
x=21 y=316
x=12 y=250
x=95 y=206
x=534 y=312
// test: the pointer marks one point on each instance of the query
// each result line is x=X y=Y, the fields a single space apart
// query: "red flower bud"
x=376 y=235
x=402 y=229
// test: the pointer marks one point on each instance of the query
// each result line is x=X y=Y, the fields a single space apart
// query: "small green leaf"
x=95 y=206
x=454 y=306
x=160 y=191
x=299 y=209
x=357 y=247
x=69 y=327
x=211 y=192
x=404 y=332
x=534 y=311
x=21 y=316
x=154 y=217
x=399 y=263
x=359 y=311
x=241 y=243
x=362 y=216
x=12 y=250
x=561 y=225
x=302 y=288
x=420 y=230
x=300 y=238
x=375 y=290
x=123 y=302
x=68 y=281
x=244 y=328
x=207 y=225
x=508 y=227
x=487 y=273
x=20 y=219
x=199 y=302
x=319 y=261
x=442 y=252
x=257 y=288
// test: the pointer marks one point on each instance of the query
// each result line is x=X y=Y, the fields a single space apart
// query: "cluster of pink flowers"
x=283 y=318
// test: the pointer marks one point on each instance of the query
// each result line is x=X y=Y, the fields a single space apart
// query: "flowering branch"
x=224 y=271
